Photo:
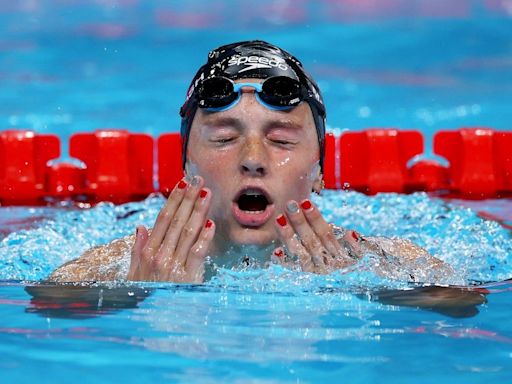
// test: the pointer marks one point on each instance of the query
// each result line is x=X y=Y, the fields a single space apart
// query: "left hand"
x=311 y=239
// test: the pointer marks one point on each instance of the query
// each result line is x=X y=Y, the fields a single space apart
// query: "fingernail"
x=203 y=193
x=208 y=224
x=356 y=235
x=292 y=207
x=306 y=204
x=182 y=184
x=279 y=253
x=195 y=181
x=281 y=220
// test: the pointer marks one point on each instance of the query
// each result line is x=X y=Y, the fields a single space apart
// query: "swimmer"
x=253 y=128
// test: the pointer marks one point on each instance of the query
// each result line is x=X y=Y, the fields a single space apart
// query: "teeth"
x=253 y=193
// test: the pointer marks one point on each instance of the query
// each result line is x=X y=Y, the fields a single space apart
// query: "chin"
x=252 y=236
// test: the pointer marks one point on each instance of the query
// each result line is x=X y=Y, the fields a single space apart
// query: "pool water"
x=248 y=334
x=76 y=66
x=254 y=324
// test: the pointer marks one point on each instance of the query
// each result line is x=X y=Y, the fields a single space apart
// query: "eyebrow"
x=287 y=124
x=214 y=121
x=223 y=121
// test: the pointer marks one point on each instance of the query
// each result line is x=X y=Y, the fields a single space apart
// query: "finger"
x=278 y=256
x=137 y=258
x=165 y=216
x=345 y=250
x=293 y=244
x=321 y=228
x=177 y=223
x=309 y=238
x=193 y=227
x=351 y=242
x=195 y=260
x=354 y=239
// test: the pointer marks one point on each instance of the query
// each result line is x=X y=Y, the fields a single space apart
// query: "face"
x=254 y=160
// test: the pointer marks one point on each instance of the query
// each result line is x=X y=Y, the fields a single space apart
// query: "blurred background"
x=79 y=65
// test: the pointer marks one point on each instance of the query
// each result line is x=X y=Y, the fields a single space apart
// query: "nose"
x=254 y=159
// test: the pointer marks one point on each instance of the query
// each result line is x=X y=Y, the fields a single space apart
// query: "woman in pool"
x=253 y=127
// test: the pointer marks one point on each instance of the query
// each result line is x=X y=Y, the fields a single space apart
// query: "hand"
x=180 y=240
x=308 y=236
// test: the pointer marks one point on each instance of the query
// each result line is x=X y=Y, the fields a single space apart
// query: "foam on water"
x=478 y=249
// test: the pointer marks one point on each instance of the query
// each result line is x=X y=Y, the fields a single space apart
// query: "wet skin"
x=246 y=149
x=250 y=146
x=249 y=173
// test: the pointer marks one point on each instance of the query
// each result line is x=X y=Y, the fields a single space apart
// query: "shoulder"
x=102 y=263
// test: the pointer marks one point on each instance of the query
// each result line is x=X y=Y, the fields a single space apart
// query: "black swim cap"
x=258 y=60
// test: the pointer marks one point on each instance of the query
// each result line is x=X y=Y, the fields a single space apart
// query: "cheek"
x=215 y=162
x=297 y=174
x=206 y=158
x=298 y=164
x=216 y=167
x=297 y=180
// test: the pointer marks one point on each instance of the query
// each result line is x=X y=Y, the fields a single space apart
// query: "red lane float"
x=429 y=176
x=480 y=161
x=169 y=161
x=119 y=164
x=375 y=160
x=23 y=158
x=66 y=181
x=330 y=158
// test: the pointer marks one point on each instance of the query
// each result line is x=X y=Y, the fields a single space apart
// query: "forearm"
x=402 y=259
x=395 y=258
x=107 y=262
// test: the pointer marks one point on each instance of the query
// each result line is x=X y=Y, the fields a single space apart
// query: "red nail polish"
x=182 y=184
x=306 y=204
x=279 y=253
x=355 y=235
x=208 y=224
x=203 y=193
x=281 y=220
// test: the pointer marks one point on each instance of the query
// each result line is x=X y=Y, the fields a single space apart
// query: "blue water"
x=428 y=65
x=73 y=66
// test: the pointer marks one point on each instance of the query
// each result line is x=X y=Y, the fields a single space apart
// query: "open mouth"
x=252 y=201
x=252 y=207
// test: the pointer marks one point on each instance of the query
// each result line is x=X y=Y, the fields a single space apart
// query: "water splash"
x=478 y=249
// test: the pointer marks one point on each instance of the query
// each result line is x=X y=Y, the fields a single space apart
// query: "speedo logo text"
x=254 y=62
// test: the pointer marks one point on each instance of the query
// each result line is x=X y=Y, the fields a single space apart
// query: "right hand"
x=176 y=249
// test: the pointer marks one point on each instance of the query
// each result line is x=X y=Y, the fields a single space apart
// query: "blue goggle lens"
x=277 y=93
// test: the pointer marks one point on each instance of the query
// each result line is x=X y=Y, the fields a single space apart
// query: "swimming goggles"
x=279 y=93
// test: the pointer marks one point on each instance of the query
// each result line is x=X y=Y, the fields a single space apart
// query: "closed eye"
x=283 y=142
x=223 y=140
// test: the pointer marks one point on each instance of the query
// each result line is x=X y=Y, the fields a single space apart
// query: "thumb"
x=141 y=238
